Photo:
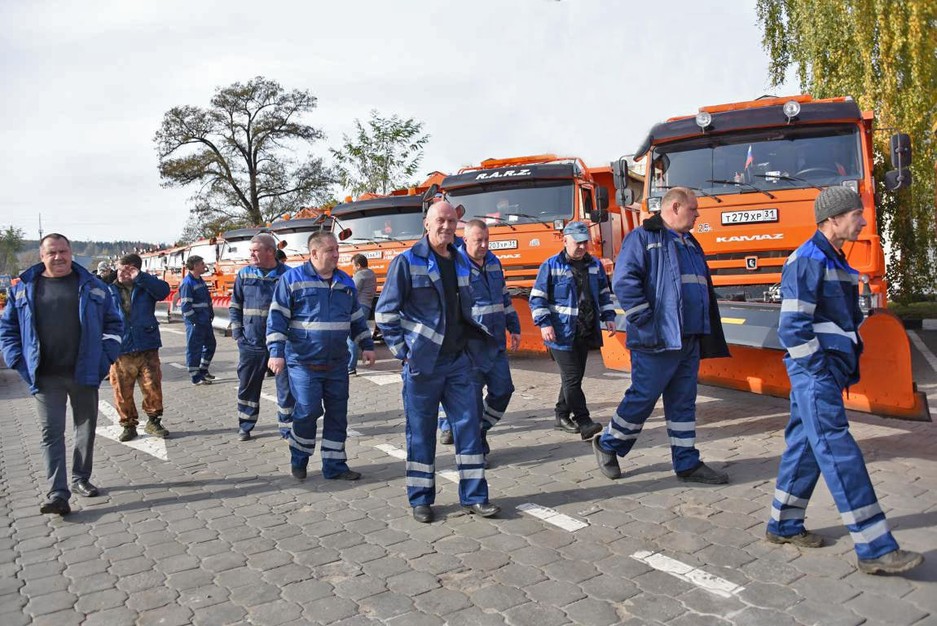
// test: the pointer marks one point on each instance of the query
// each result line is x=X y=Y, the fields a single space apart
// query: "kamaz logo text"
x=743 y=238
x=504 y=174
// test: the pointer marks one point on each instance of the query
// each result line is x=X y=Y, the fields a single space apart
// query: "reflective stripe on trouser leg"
x=421 y=398
x=193 y=350
x=820 y=404
x=500 y=388
x=209 y=343
x=285 y=403
x=680 y=408
x=463 y=410
x=335 y=422
x=307 y=387
x=252 y=368
x=650 y=374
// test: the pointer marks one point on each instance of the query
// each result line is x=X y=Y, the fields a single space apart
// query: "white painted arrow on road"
x=154 y=446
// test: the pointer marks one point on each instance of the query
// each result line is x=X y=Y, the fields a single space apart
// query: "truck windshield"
x=767 y=159
x=236 y=250
x=382 y=225
x=516 y=203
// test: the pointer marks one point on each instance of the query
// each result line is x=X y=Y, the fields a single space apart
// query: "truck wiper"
x=708 y=195
x=790 y=179
x=387 y=238
x=498 y=220
x=749 y=185
x=531 y=218
x=356 y=240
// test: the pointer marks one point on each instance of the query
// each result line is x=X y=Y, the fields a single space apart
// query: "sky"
x=85 y=85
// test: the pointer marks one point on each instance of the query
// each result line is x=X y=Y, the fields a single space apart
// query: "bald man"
x=425 y=315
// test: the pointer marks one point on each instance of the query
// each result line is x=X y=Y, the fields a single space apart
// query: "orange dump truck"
x=757 y=167
x=526 y=202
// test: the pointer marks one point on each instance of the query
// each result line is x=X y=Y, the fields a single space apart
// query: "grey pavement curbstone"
x=884 y=609
x=50 y=603
x=166 y=616
x=274 y=613
x=147 y=599
x=535 y=615
x=219 y=615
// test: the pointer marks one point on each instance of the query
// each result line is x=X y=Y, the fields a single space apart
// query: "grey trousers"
x=54 y=392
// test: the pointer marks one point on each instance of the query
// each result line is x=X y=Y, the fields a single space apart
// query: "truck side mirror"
x=601 y=198
x=897 y=179
x=624 y=197
x=598 y=216
x=620 y=173
x=344 y=234
x=900 y=150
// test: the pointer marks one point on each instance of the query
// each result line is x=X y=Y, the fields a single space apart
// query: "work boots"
x=566 y=425
x=153 y=427
x=128 y=433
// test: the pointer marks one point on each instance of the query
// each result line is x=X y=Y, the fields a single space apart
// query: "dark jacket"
x=647 y=284
x=141 y=331
x=101 y=328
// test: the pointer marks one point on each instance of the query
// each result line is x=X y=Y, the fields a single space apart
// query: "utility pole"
x=40 y=227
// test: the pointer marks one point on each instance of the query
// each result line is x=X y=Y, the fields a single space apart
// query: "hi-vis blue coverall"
x=200 y=343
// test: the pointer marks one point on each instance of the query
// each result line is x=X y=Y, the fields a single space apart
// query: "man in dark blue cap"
x=570 y=301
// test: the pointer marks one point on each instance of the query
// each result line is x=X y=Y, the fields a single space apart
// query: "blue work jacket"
x=491 y=304
x=141 y=331
x=820 y=314
x=647 y=283
x=195 y=301
x=554 y=300
x=250 y=303
x=101 y=328
x=311 y=318
x=411 y=311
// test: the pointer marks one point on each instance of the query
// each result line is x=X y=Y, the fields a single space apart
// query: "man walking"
x=569 y=301
x=61 y=331
x=195 y=304
x=250 y=303
x=313 y=310
x=672 y=321
x=493 y=310
x=819 y=327
x=425 y=314
x=136 y=294
x=366 y=284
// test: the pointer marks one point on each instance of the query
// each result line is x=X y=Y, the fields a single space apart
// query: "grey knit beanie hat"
x=834 y=201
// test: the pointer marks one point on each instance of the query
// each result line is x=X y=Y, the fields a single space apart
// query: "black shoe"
x=589 y=429
x=201 y=381
x=128 y=433
x=346 y=475
x=894 y=562
x=299 y=473
x=208 y=376
x=485 y=447
x=484 y=509
x=445 y=437
x=566 y=425
x=607 y=461
x=352 y=372
x=244 y=435
x=423 y=513
x=58 y=506
x=702 y=473
x=86 y=489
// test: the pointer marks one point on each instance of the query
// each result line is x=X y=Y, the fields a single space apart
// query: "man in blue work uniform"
x=425 y=314
x=819 y=327
x=570 y=302
x=672 y=321
x=250 y=303
x=136 y=294
x=314 y=308
x=195 y=304
x=492 y=309
x=61 y=331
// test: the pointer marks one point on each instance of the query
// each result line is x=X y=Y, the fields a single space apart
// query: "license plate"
x=749 y=217
x=510 y=244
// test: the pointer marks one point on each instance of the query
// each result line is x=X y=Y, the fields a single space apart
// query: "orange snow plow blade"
x=531 y=340
x=887 y=387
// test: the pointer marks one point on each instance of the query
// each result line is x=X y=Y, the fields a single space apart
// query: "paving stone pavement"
x=221 y=534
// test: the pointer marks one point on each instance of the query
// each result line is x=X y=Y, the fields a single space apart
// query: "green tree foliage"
x=383 y=155
x=11 y=242
x=884 y=54
x=241 y=152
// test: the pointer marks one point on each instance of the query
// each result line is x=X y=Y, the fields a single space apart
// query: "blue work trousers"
x=450 y=384
x=354 y=352
x=199 y=349
x=671 y=374
x=819 y=441
x=252 y=369
x=51 y=400
x=495 y=375
x=318 y=393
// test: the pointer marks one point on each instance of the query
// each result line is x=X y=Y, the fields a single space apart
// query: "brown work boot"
x=153 y=427
x=128 y=433
x=803 y=539
x=894 y=562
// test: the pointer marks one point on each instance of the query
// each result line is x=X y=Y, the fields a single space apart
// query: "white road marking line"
x=179 y=366
x=397 y=453
x=154 y=446
x=923 y=349
x=702 y=579
x=550 y=516
x=386 y=379
x=170 y=330
x=451 y=475
x=351 y=432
